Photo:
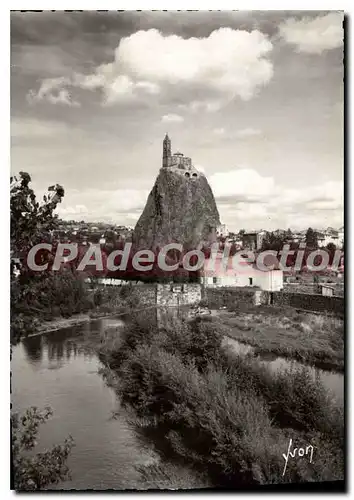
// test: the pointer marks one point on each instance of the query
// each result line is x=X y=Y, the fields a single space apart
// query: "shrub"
x=293 y=397
x=227 y=431
x=35 y=472
x=231 y=416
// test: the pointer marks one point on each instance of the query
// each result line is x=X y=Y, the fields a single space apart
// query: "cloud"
x=208 y=106
x=248 y=132
x=200 y=168
x=244 y=182
x=31 y=128
x=240 y=134
x=63 y=97
x=172 y=118
x=314 y=35
x=227 y=64
x=219 y=131
x=72 y=210
x=244 y=195
x=52 y=90
x=94 y=204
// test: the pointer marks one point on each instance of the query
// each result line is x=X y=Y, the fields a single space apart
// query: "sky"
x=255 y=98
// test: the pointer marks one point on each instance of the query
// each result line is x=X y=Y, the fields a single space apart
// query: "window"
x=251 y=281
x=214 y=281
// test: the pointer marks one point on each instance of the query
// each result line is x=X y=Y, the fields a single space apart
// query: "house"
x=222 y=231
x=331 y=236
x=223 y=272
x=253 y=240
x=298 y=237
x=327 y=290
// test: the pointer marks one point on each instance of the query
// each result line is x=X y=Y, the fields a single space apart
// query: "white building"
x=225 y=273
x=327 y=290
x=222 y=231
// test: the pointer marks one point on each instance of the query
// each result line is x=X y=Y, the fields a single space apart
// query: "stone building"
x=177 y=160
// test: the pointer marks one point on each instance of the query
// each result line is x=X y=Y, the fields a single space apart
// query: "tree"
x=36 y=471
x=289 y=235
x=38 y=295
x=272 y=241
x=31 y=222
x=331 y=249
x=233 y=249
x=311 y=238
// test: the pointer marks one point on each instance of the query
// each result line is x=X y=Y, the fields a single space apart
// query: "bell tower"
x=166 y=151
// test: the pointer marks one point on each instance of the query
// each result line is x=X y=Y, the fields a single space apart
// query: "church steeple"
x=166 y=151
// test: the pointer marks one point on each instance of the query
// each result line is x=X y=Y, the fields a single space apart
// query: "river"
x=56 y=369
x=332 y=381
x=59 y=369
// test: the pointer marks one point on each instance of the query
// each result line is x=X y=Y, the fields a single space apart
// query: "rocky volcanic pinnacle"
x=179 y=209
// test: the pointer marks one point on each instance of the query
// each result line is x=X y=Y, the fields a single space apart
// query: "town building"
x=327 y=290
x=222 y=231
x=253 y=240
x=219 y=271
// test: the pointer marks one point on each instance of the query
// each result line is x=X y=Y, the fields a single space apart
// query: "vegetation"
x=40 y=296
x=311 y=338
x=311 y=238
x=36 y=471
x=31 y=221
x=228 y=417
x=273 y=241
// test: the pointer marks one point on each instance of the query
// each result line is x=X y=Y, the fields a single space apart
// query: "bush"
x=294 y=399
x=35 y=472
x=45 y=296
x=230 y=416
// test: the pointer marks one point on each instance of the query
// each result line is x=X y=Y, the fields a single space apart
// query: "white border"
x=5 y=152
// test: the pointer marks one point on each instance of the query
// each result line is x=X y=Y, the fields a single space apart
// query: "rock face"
x=179 y=209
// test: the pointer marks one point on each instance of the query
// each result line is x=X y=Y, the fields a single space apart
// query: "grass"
x=171 y=476
x=310 y=338
x=229 y=418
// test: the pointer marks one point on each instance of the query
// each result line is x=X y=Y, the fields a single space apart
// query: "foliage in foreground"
x=228 y=416
x=36 y=471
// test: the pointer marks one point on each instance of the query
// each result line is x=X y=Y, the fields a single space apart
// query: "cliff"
x=179 y=209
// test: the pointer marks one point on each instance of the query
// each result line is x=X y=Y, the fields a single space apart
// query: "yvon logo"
x=300 y=453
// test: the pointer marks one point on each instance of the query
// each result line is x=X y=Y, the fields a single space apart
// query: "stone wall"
x=310 y=302
x=173 y=294
x=234 y=297
x=239 y=297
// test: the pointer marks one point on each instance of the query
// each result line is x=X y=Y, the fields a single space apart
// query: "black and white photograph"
x=177 y=248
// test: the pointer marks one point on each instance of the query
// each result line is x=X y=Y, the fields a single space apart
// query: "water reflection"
x=333 y=381
x=60 y=369
x=33 y=349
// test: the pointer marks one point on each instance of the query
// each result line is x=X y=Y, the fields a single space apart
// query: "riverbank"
x=317 y=340
x=229 y=417
x=60 y=323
